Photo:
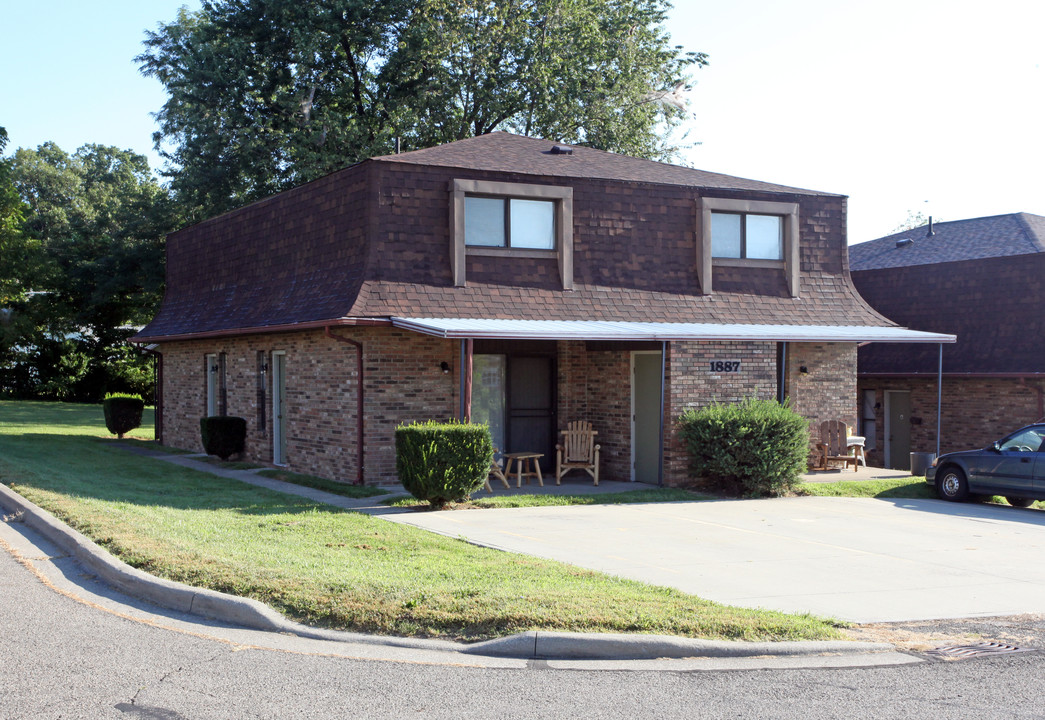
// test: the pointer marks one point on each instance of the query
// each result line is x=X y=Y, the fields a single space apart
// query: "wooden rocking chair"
x=834 y=445
x=577 y=451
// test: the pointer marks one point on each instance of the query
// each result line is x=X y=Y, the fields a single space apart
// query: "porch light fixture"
x=445 y=367
x=803 y=369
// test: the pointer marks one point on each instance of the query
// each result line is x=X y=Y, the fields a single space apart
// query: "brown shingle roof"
x=370 y=242
x=505 y=152
x=975 y=239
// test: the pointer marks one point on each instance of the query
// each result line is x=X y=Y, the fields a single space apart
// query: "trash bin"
x=920 y=462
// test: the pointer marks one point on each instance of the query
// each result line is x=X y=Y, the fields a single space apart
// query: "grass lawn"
x=908 y=487
x=517 y=501
x=325 y=566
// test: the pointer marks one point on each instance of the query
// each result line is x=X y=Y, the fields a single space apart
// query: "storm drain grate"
x=956 y=652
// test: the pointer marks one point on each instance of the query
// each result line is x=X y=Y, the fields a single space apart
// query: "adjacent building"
x=982 y=280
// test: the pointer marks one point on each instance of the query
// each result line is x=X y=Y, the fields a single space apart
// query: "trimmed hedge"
x=223 y=435
x=443 y=462
x=123 y=413
x=752 y=448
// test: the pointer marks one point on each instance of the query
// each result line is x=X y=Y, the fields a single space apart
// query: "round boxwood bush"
x=751 y=448
x=443 y=462
x=123 y=413
x=223 y=435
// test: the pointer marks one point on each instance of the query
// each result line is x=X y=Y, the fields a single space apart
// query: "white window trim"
x=705 y=261
x=563 y=198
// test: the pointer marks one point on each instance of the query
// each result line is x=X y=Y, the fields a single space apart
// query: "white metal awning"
x=491 y=328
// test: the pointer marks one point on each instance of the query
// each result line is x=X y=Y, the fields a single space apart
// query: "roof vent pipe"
x=930 y=232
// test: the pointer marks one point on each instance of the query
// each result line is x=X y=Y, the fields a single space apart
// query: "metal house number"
x=725 y=366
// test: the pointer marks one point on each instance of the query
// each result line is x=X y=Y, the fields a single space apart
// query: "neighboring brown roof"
x=505 y=152
x=987 y=290
x=978 y=238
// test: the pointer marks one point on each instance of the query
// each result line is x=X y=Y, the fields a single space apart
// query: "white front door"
x=211 y=365
x=645 y=416
x=279 y=390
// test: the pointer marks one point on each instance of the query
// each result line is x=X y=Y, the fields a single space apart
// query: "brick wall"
x=404 y=382
x=975 y=411
x=609 y=403
x=694 y=384
x=827 y=391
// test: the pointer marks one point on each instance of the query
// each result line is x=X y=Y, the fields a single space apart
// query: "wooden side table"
x=526 y=466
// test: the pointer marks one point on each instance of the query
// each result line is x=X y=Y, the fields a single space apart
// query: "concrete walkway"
x=860 y=560
x=46 y=547
x=853 y=559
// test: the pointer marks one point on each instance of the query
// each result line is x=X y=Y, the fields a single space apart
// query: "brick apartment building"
x=981 y=279
x=513 y=281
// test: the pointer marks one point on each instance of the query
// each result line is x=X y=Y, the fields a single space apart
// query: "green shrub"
x=753 y=448
x=123 y=413
x=443 y=462
x=223 y=435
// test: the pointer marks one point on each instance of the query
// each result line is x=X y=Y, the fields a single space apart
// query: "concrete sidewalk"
x=860 y=560
x=58 y=555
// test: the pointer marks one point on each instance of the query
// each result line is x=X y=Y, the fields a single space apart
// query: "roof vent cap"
x=560 y=150
x=904 y=242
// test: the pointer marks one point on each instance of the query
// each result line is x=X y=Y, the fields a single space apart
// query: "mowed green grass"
x=326 y=566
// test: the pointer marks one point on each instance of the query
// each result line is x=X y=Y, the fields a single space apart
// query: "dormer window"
x=747 y=235
x=511 y=220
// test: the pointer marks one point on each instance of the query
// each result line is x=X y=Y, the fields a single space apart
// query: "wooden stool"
x=522 y=460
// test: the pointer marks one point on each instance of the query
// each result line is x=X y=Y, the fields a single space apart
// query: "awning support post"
x=939 y=397
x=660 y=442
x=467 y=395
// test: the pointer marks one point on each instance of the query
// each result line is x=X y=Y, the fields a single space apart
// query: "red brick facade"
x=404 y=381
x=975 y=411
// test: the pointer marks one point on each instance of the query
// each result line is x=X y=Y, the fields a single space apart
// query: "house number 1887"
x=725 y=366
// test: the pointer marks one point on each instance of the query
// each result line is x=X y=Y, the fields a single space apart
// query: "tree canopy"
x=90 y=232
x=267 y=94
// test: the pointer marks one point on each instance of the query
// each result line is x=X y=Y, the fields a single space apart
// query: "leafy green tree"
x=97 y=219
x=266 y=94
x=15 y=248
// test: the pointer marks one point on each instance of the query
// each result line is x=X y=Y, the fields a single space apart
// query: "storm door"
x=515 y=396
x=531 y=407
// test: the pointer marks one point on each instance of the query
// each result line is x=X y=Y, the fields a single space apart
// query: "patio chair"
x=496 y=471
x=834 y=445
x=577 y=451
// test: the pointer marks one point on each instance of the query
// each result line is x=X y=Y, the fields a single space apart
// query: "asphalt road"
x=73 y=649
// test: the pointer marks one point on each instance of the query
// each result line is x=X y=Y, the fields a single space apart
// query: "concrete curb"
x=530 y=645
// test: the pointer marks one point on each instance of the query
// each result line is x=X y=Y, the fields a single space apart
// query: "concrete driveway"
x=852 y=559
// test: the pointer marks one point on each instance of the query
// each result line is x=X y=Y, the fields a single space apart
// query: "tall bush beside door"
x=443 y=462
x=755 y=447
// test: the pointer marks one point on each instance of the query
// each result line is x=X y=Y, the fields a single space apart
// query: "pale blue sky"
x=925 y=105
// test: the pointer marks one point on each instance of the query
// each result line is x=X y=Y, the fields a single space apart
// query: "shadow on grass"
x=87 y=467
